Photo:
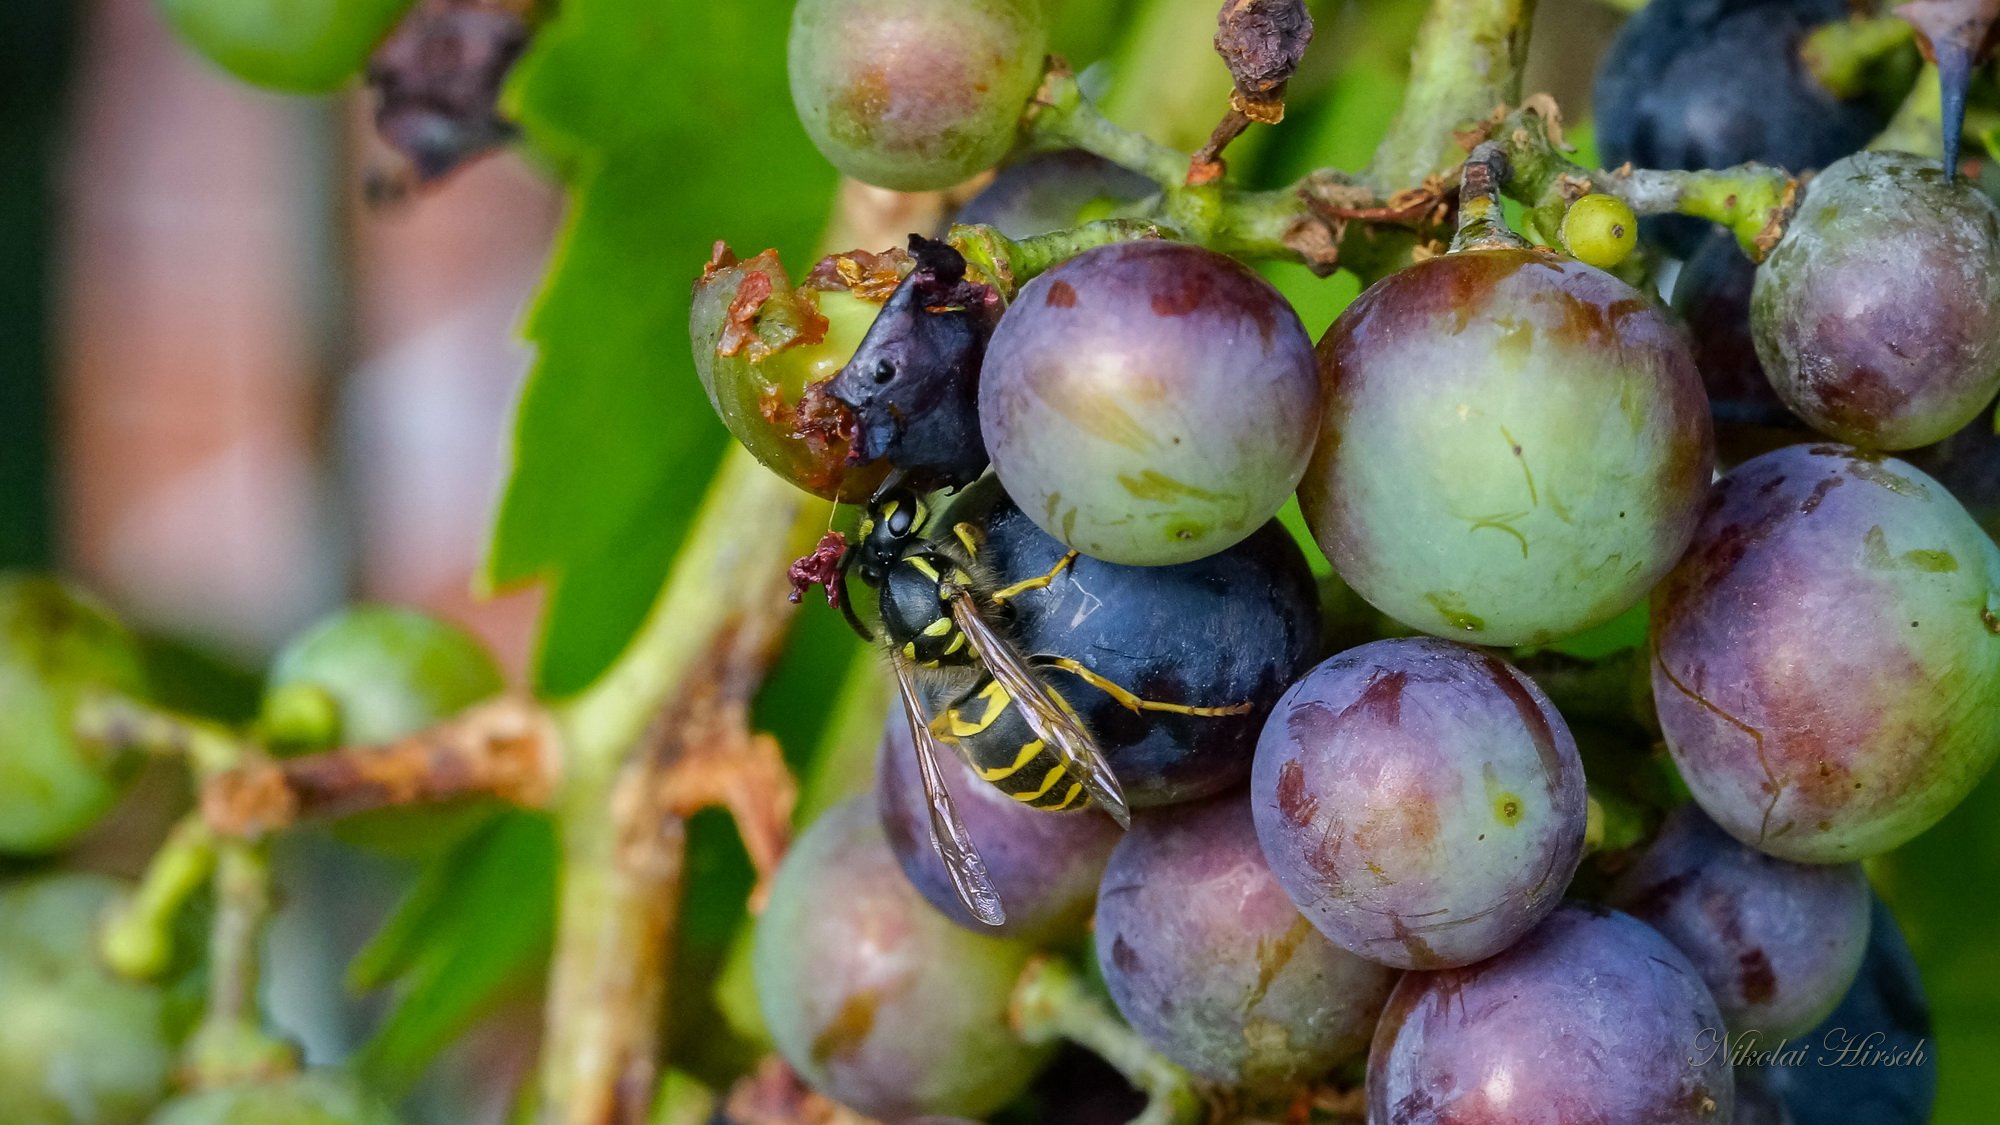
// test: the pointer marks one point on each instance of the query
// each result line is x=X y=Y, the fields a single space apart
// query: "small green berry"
x=1600 y=230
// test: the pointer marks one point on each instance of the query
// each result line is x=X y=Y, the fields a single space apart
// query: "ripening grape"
x=1515 y=446
x=299 y=46
x=389 y=671
x=78 y=1046
x=1149 y=402
x=1968 y=464
x=1885 y=1012
x=1044 y=865
x=57 y=646
x=759 y=346
x=1234 y=628
x=1422 y=802
x=1052 y=191
x=1778 y=943
x=312 y=1097
x=877 y=1000
x=1877 y=316
x=1211 y=963
x=1592 y=1016
x=915 y=94
x=1600 y=230
x=1827 y=654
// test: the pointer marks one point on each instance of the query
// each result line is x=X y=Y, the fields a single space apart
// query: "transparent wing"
x=1048 y=716
x=948 y=834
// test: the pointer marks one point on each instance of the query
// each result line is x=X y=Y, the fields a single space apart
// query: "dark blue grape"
x=1052 y=191
x=1712 y=294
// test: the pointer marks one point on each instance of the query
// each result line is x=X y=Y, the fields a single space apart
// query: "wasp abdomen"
x=990 y=732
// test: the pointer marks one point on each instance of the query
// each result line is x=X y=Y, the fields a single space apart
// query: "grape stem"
x=1482 y=225
x=1468 y=60
x=1051 y=1002
x=1918 y=126
x=137 y=939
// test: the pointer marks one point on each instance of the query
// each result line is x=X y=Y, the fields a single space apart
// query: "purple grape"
x=1712 y=294
x=1514 y=449
x=1777 y=942
x=1878 y=315
x=1422 y=802
x=1590 y=1017
x=1756 y=1105
x=1827 y=654
x=873 y=997
x=1050 y=191
x=1045 y=865
x=1149 y=402
x=1209 y=960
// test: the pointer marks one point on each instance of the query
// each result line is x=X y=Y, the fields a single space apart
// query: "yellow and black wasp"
x=941 y=609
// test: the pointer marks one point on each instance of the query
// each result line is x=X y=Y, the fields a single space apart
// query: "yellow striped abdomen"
x=988 y=729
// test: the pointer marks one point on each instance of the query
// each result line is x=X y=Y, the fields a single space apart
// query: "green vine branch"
x=1051 y=1003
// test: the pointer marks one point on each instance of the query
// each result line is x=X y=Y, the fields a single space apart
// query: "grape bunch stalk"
x=1504 y=695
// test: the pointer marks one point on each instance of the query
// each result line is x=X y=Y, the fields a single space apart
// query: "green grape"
x=760 y=346
x=1600 y=230
x=298 y=46
x=56 y=646
x=915 y=94
x=78 y=1046
x=314 y=1097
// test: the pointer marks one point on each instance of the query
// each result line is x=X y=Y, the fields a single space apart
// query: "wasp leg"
x=1037 y=583
x=1125 y=698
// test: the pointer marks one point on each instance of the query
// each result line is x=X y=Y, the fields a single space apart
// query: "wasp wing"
x=948 y=835
x=1048 y=715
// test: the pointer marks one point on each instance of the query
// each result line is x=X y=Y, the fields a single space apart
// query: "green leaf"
x=673 y=126
x=476 y=925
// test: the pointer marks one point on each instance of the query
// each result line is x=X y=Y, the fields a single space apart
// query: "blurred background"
x=234 y=394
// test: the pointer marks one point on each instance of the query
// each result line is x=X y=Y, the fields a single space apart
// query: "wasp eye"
x=884 y=371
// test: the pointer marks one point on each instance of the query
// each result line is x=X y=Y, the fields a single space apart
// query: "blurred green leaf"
x=674 y=128
x=477 y=923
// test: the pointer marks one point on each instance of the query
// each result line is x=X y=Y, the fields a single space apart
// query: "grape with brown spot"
x=1422 y=802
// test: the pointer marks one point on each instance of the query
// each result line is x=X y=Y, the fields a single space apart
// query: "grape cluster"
x=1389 y=864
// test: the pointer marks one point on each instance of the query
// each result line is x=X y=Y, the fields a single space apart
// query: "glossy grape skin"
x=313 y=1097
x=1208 y=960
x=298 y=46
x=1149 y=402
x=1877 y=316
x=78 y=1046
x=1778 y=943
x=1600 y=230
x=56 y=646
x=1712 y=83
x=915 y=94
x=873 y=997
x=1237 y=627
x=1514 y=449
x=1045 y=866
x=1422 y=802
x=1827 y=654
x=797 y=339
x=1712 y=294
x=1051 y=191
x=1592 y=1016
x=1897 y=1086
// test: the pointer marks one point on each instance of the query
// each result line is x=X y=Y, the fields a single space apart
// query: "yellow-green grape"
x=298 y=46
x=1600 y=230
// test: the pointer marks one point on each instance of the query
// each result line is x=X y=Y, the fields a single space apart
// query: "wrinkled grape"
x=914 y=94
x=57 y=646
x=1827 y=654
x=1052 y=191
x=1234 y=628
x=1778 y=943
x=760 y=347
x=313 y=1097
x=1422 y=802
x=299 y=46
x=1149 y=402
x=1878 y=315
x=1206 y=957
x=78 y=1046
x=874 y=998
x=1592 y=1016
x=1514 y=449
x=1044 y=865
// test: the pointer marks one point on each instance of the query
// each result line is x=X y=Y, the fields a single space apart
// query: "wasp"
x=943 y=616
